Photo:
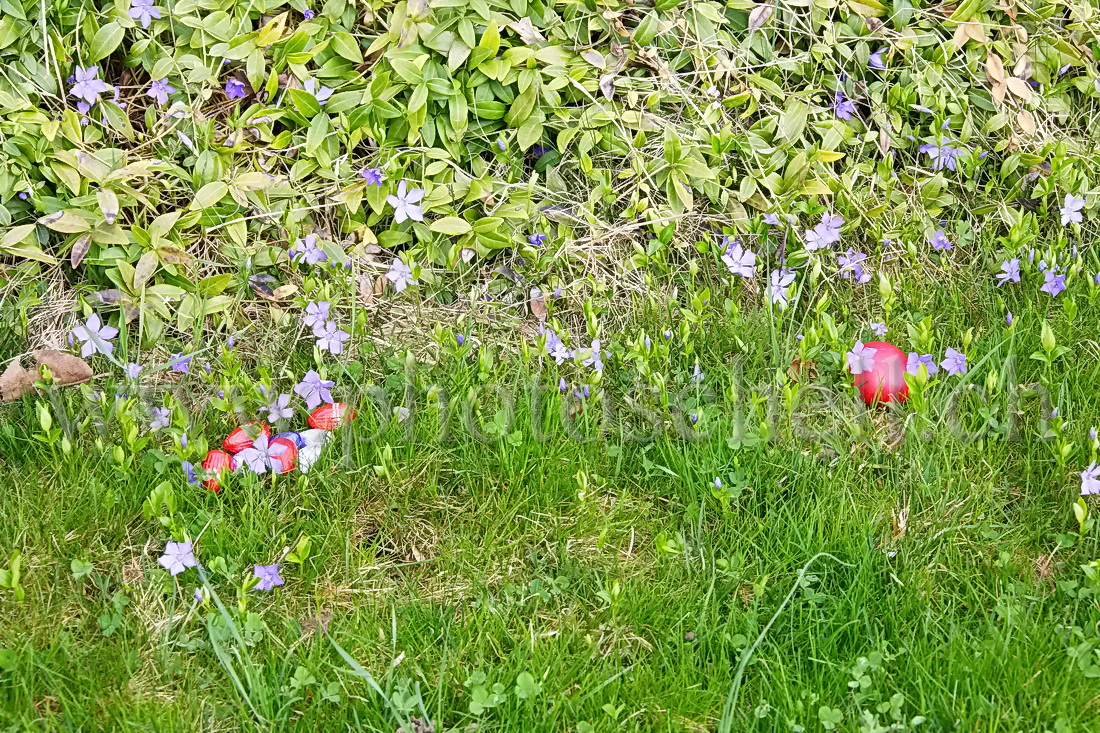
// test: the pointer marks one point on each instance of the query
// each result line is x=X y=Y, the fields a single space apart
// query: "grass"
x=556 y=585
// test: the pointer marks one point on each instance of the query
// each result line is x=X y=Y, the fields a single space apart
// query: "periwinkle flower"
x=849 y=264
x=87 y=85
x=314 y=390
x=189 y=473
x=861 y=358
x=939 y=240
x=307 y=250
x=942 y=156
x=954 y=362
x=235 y=88
x=95 y=337
x=536 y=239
x=738 y=260
x=158 y=90
x=771 y=220
x=1071 y=210
x=144 y=11
x=280 y=409
x=180 y=363
x=879 y=329
x=825 y=234
x=177 y=557
x=373 y=176
x=1010 y=271
x=400 y=274
x=308 y=14
x=843 y=107
x=875 y=61
x=316 y=313
x=915 y=360
x=319 y=91
x=132 y=370
x=162 y=418
x=1090 y=480
x=1055 y=283
x=330 y=338
x=778 y=282
x=594 y=360
x=406 y=203
x=268 y=575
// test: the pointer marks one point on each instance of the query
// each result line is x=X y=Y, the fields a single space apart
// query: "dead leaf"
x=538 y=305
x=65 y=368
x=595 y=58
x=318 y=621
x=1000 y=90
x=976 y=31
x=802 y=368
x=607 y=86
x=527 y=32
x=15 y=381
x=419 y=725
x=172 y=255
x=1019 y=87
x=284 y=291
x=994 y=69
x=960 y=38
x=1026 y=122
x=1023 y=68
x=760 y=15
x=79 y=250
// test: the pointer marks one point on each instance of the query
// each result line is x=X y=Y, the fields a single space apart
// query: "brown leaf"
x=79 y=250
x=538 y=304
x=1019 y=87
x=15 y=381
x=66 y=368
x=527 y=32
x=607 y=86
x=595 y=58
x=976 y=31
x=284 y=291
x=760 y=15
x=999 y=91
x=994 y=69
x=172 y=255
x=800 y=368
x=1026 y=122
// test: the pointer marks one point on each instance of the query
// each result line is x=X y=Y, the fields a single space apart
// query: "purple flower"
x=400 y=274
x=843 y=107
x=1010 y=271
x=406 y=203
x=316 y=314
x=460 y=339
x=954 y=362
x=555 y=348
x=778 y=282
x=280 y=409
x=717 y=483
x=849 y=263
x=1055 y=283
x=268 y=575
x=87 y=85
x=942 y=156
x=738 y=260
x=594 y=360
x=180 y=363
x=95 y=337
x=177 y=557
x=23 y=195
x=306 y=248
x=189 y=473
x=330 y=338
x=132 y=370
x=861 y=358
x=162 y=418
x=144 y=11
x=939 y=240
x=879 y=329
x=83 y=108
x=1071 y=210
x=308 y=14
x=314 y=390
x=1090 y=480
x=257 y=458
x=1008 y=318
x=771 y=219
x=825 y=234
x=373 y=176
x=667 y=335
x=536 y=239
x=235 y=89
x=319 y=91
x=648 y=342
x=159 y=90
x=912 y=364
x=697 y=375
x=875 y=61
x=1092 y=433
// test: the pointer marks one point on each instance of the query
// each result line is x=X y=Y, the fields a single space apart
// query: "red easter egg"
x=217 y=461
x=886 y=381
x=244 y=436
x=285 y=460
x=330 y=417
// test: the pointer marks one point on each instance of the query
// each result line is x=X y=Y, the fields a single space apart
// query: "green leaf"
x=209 y=195
x=80 y=568
x=105 y=41
x=347 y=47
x=451 y=225
x=65 y=221
x=793 y=120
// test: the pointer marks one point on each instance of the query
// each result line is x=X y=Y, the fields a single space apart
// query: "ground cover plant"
x=478 y=365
